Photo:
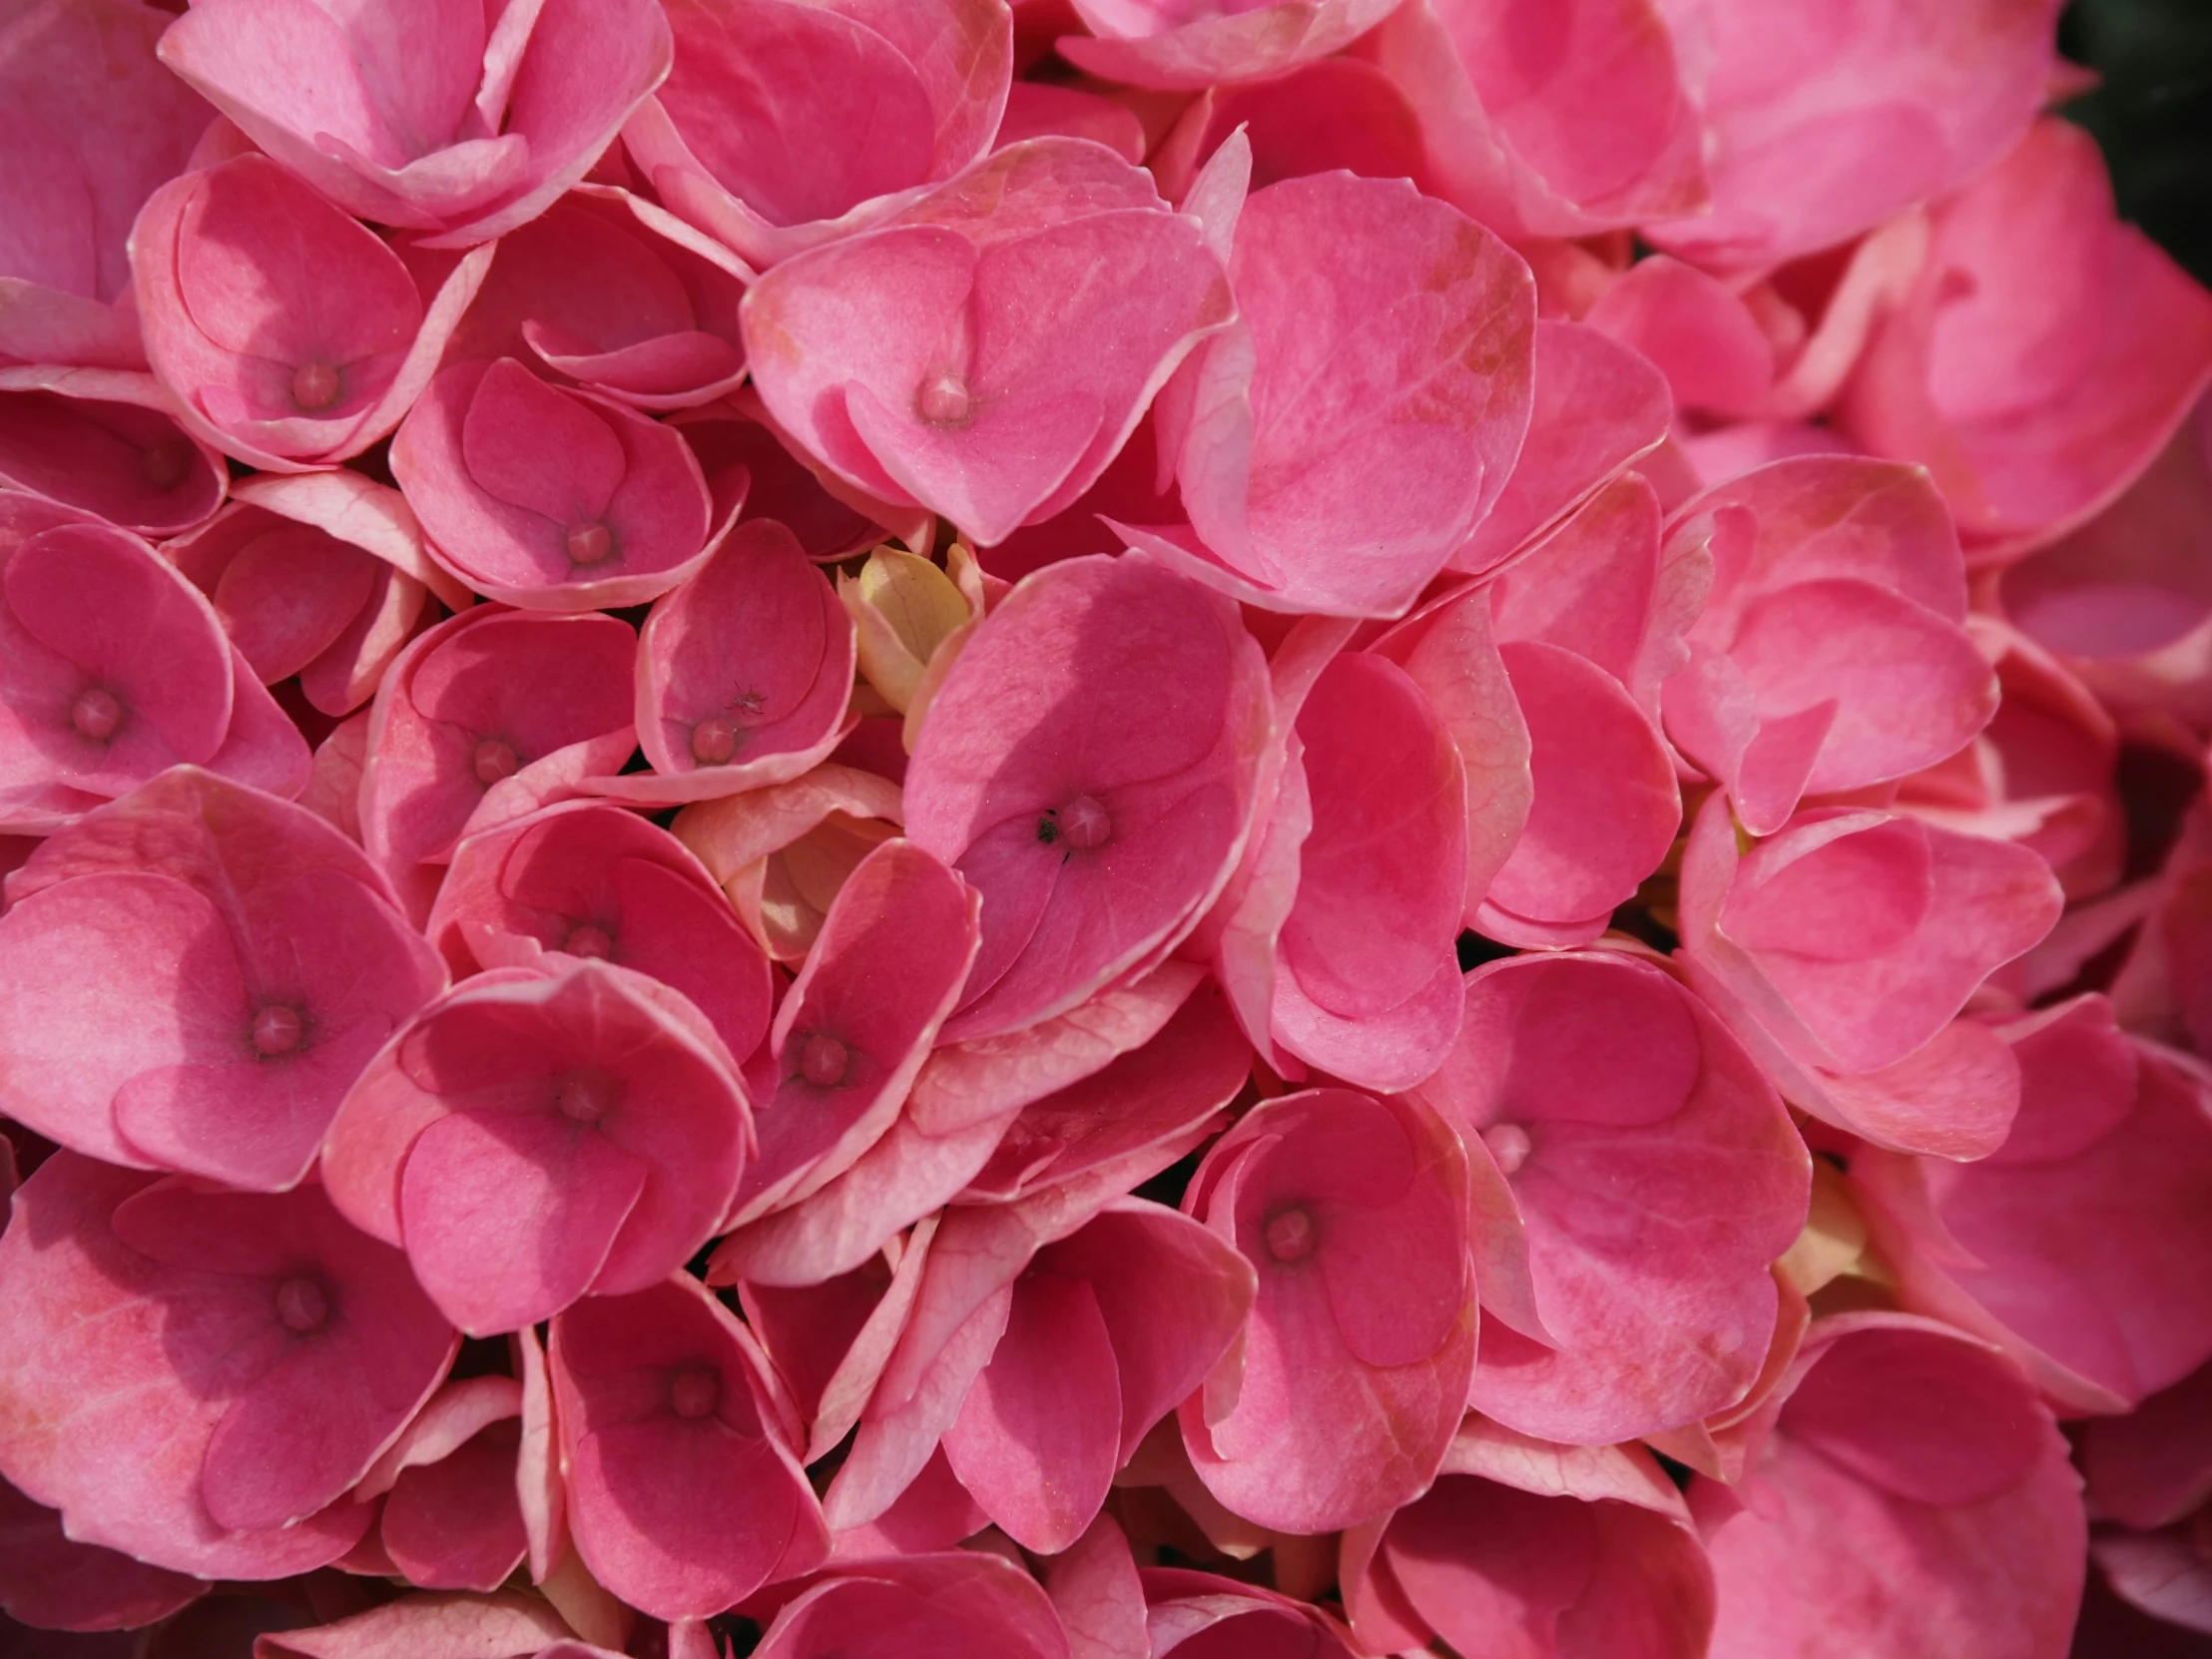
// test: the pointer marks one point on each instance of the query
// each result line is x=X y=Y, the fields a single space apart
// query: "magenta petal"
x=455 y=1524
x=1172 y=1294
x=1065 y=699
x=744 y=669
x=925 y=360
x=1972 y=1505
x=239 y=903
x=1818 y=133
x=430 y=1627
x=684 y=1496
x=117 y=457
x=1399 y=457
x=1563 y=1574
x=547 y=499
x=1295 y=1429
x=1604 y=806
x=56 y=1584
x=149 y=1435
x=509 y=1216
x=845 y=1046
x=1040 y=1435
x=1591 y=1078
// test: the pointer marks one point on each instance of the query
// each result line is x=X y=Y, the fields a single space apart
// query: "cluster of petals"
x=1244 y=829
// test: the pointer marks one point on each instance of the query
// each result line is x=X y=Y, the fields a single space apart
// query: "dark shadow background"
x=2153 y=113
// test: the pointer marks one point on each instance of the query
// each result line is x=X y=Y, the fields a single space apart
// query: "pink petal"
x=1824 y=129
x=1617 y=1108
x=1604 y=810
x=1967 y=1543
x=746 y=668
x=117 y=456
x=2031 y=421
x=1038 y=1435
x=1062 y=697
x=846 y=1045
x=174 y=1360
x=684 y=1499
x=1505 y=90
x=546 y=500
x=1286 y=477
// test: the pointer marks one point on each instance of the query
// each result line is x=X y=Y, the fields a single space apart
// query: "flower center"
x=822 y=1061
x=277 y=1030
x=944 y=400
x=590 y=543
x=1509 y=1145
x=96 y=713
x=589 y=939
x=1083 y=822
x=302 y=1304
x=695 y=1391
x=495 y=760
x=315 y=387
x=586 y=1096
x=713 y=740
x=1289 y=1235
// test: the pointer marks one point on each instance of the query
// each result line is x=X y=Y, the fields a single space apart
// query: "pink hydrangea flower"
x=1934 y=1458
x=1575 y=1551
x=95 y=125
x=934 y=358
x=291 y=335
x=450 y=1517
x=1181 y=48
x=529 y=1140
x=1824 y=128
x=100 y=696
x=2042 y=772
x=1312 y=488
x=550 y=499
x=753 y=137
x=49 y=1581
x=1328 y=114
x=1840 y=949
x=1336 y=943
x=2123 y=600
x=744 y=673
x=1586 y=1072
x=1353 y=1371
x=684 y=1494
x=1595 y=407
x=462 y=121
x=615 y=293
x=106 y=444
x=279 y=951
x=1830 y=653
x=320 y=576
x=962 y=1602
x=846 y=1047
x=256 y=1356
x=584 y=880
x=1040 y=1349
x=1505 y=91
x=483 y=719
x=1090 y=765
x=1589 y=623
x=501 y=1626
x=855 y=829
x=2098 y=1317
x=2044 y=355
